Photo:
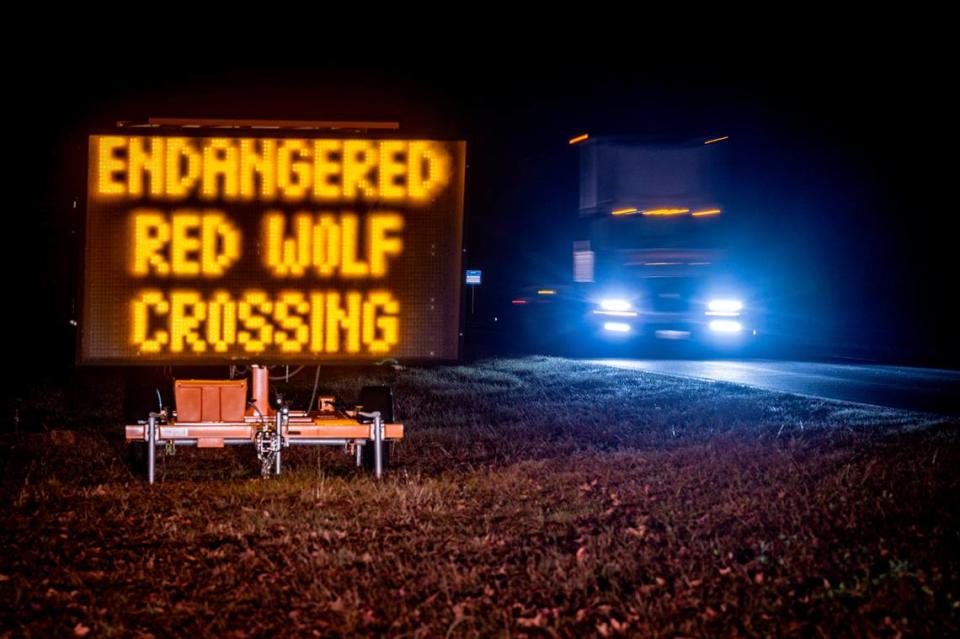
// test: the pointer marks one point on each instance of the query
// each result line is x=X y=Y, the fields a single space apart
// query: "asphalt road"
x=925 y=389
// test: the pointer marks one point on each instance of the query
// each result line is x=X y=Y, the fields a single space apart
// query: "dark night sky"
x=844 y=201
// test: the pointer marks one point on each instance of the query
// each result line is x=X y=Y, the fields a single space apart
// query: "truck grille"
x=669 y=294
x=668 y=303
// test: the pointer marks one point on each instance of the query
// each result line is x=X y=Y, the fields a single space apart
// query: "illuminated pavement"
x=926 y=389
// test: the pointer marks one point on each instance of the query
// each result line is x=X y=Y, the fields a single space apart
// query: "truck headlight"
x=724 y=307
x=726 y=326
x=615 y=304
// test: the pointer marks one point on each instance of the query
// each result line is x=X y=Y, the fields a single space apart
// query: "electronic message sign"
x=271 y=249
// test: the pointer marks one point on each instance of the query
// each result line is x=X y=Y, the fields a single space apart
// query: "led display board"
x=271 y=249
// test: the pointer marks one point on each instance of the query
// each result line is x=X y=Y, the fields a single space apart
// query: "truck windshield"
x=637 y=232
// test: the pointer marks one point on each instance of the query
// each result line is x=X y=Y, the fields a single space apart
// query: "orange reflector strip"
x=706 y=212
x=579 y=138
x=624 y=211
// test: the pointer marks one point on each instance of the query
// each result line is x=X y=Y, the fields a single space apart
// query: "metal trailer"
x=208 y=416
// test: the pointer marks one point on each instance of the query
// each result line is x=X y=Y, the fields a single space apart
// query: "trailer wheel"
x=379 y=398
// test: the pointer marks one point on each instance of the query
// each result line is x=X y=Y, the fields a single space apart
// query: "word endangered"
x=229 y=169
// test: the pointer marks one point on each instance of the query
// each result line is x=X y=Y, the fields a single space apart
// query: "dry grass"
x=534 y=496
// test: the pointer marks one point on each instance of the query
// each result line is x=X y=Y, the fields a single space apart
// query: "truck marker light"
x=546 y=291
x=580 y=138
x=616 y=327
x=726 y=326
x=706 y=212
x=666 y=211
x=626 y=211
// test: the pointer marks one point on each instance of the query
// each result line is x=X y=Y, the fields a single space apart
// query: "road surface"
x=925 y=389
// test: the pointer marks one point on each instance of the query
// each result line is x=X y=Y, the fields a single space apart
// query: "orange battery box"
x=203 y=400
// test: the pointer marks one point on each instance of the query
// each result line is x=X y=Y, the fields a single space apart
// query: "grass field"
x=539 y=497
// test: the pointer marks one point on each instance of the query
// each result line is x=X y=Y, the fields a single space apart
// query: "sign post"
x=473 y=279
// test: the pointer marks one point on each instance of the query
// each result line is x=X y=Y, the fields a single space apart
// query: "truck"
x=652 y=257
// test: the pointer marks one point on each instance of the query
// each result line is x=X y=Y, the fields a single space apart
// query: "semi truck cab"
x=652 y=260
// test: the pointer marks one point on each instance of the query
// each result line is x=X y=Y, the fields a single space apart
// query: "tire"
x=379 y=398
x=137 y=458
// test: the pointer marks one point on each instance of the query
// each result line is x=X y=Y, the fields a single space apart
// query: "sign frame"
x=451 y=287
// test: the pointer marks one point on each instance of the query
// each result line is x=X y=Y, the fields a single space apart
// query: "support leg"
x=151 y=447
x=378 y=445
x=278 y=440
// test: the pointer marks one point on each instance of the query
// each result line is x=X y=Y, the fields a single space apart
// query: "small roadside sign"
x=473 y=278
